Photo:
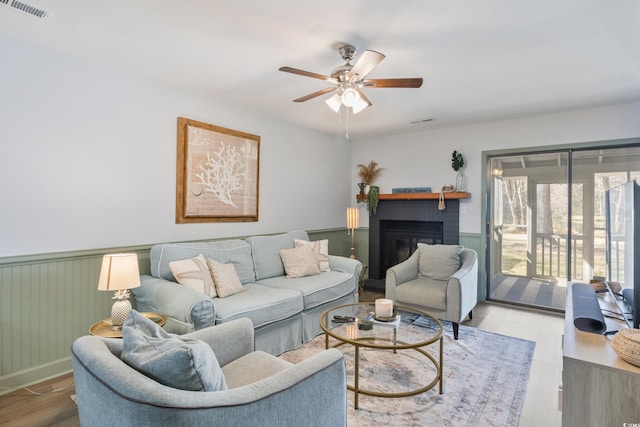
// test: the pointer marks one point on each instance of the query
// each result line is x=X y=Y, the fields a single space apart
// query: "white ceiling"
x=480 y=60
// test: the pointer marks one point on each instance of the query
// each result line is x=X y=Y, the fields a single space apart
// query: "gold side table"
x=104 y=328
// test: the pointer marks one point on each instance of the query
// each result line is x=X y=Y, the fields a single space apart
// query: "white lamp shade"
x=119 y=271
x=360 y=105
x=350 y=97
x=353 y=218
x=334 y=102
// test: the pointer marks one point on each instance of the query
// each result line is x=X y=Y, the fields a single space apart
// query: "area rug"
x=485 y=380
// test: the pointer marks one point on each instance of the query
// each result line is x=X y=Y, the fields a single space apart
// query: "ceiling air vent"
x=23 y=7
x=427 y=120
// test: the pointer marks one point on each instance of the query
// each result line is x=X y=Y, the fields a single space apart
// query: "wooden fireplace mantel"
x=421 y=196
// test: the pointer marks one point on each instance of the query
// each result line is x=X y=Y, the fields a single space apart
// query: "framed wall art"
x=218 y=172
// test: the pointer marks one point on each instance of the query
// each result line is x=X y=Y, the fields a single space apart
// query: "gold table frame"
x=393 y=344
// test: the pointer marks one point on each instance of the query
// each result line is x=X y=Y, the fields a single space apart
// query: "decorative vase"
x=120 y=308
x=362 y=186
x=461 y=181
x=372 y=199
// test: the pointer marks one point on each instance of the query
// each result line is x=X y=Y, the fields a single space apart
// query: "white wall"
x=424 y=158
x=88 y=159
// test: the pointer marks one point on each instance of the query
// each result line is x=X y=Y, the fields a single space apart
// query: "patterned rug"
x=485 y=380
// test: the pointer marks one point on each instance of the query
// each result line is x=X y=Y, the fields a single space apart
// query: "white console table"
x=599 y=388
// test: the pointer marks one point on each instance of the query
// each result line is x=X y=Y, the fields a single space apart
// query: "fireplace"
x=399 y=239
x=399 y=225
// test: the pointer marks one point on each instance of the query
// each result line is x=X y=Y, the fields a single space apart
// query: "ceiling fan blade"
x=409 y=83
x=307 y=74
x=367 y=62
x=315 y=94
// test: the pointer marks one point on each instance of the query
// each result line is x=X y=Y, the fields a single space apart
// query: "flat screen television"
x=623 y=248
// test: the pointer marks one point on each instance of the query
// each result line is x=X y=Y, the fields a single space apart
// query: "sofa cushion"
x=261 y=304
x=237 y=252
x=186 y=364
x=428 y=293
x=320 y=251
x=194 y=273
x=438 y=261
x=266 y=252
x=225 y=278
x=299 y=262
x=316 y=290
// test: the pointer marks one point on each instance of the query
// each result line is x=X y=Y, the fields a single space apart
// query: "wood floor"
x=22 y=408
x=541 y=405
x=54 y=408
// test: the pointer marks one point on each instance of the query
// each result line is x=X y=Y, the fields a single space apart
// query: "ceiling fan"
x=349 y=80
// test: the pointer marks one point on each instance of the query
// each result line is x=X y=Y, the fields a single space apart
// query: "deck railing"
x=551 y=252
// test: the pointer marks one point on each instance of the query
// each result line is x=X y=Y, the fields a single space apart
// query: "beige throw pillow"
x=225 y=278
x=320 y=251
x=194 y=273
x=299 y=262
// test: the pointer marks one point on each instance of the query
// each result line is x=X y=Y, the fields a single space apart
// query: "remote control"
x=343 y=319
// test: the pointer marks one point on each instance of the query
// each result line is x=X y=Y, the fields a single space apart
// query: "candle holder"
x=383 y=309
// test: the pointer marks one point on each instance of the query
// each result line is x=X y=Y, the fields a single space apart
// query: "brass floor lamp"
x=353 y=222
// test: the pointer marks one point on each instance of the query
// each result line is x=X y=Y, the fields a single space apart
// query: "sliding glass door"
x=546 y=220
x=529 y=228
x=600 y=170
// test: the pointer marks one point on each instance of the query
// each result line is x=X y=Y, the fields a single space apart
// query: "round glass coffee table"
x=391 y=335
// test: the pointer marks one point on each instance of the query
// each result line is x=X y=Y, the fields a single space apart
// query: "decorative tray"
x=104 y=328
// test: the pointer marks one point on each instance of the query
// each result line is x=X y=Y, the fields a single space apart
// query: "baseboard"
x=35 y=375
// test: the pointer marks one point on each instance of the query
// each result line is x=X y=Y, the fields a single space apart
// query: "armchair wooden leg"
x=471 y=315
x=456 y=327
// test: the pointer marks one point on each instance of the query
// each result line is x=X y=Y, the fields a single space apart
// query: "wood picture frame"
x=217 y=174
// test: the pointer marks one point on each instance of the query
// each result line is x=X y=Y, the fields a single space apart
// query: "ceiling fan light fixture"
x=348 y=80
x=360 y=105
x=350 y=97
x=334 y=102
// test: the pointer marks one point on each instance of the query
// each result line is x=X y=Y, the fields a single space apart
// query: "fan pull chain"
x=347 y=133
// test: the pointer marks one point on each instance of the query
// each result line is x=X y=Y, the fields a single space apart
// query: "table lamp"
x=119 y=273
x=353 y=220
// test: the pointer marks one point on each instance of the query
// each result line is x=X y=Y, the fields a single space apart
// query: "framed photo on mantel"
x=217 y=175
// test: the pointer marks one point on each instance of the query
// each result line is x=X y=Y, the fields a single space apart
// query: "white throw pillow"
x=225 y=278
x=299 y=262
x=320 y=251
x=194 y=273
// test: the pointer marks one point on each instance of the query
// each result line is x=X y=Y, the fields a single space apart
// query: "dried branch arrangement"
x=369 y=173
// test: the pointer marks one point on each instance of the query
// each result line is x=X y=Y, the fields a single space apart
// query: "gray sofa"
x=285 y=312
x=263 y=390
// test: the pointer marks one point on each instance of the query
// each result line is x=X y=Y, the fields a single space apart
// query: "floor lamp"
x=353 y=222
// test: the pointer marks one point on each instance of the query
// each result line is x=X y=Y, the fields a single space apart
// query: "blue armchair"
x=263 y=389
